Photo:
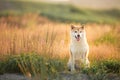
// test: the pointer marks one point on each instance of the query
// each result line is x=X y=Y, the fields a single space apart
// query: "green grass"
x=103 y=69
x=9 y=65
x=60 y=12
x=49 y=68
x=34 y=64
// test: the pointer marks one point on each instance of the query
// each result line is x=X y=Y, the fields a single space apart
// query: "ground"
x=9 y=76
x=63 y=76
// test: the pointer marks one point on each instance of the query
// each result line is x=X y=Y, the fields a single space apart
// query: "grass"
x=108 y=38
x=53 y=12
x=32 y=65
x=38 y=67
x=101 y=70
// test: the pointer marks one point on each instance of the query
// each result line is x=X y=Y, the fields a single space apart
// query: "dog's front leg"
x=85 y=60
x=87 y=63
x=71 y=63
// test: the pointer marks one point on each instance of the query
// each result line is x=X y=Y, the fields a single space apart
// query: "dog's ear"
x=83 y=26
x=72 y=26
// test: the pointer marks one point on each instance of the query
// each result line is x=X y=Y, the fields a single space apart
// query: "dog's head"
x=78 y=33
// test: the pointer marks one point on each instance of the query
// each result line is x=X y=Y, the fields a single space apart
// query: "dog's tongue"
x=78 y=38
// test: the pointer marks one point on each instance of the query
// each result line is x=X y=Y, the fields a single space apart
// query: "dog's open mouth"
x=77 y=38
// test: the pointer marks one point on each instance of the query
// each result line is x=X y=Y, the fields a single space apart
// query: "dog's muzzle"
x=77 y=37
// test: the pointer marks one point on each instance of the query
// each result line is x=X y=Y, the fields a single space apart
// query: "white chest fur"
x=79 y=49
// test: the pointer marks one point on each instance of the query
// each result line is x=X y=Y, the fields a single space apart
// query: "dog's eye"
x=75 y=31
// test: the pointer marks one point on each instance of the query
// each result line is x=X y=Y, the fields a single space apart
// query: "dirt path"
x=62 y=76
x=12 y=77
x=75 y=76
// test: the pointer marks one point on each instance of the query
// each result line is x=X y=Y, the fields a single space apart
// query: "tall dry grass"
x=49 y=38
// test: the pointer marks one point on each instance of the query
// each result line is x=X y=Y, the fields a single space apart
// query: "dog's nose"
x=78 y=35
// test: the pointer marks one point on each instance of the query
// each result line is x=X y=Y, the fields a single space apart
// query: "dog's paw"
x=87 y=65
x=73 y=71
x=69 y=68
x=77 y=67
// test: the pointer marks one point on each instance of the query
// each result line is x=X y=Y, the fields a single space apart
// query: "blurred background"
x=92 y=4
x=83 y=11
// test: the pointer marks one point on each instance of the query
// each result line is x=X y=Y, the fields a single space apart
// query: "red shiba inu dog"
x=79 y=48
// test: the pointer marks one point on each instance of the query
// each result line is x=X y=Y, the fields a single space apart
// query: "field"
x=35 y=41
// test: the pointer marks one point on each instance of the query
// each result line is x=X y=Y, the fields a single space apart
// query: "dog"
x=79 y=48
